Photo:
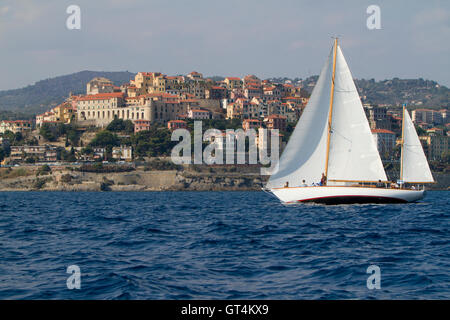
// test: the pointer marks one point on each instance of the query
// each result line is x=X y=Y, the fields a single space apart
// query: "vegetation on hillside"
x=15 y=115
x=53 y=133
x=418 y=92
x=46 y=93
x=120 y=125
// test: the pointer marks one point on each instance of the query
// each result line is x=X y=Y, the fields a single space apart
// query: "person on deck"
x=323 y=180
x=303 y=183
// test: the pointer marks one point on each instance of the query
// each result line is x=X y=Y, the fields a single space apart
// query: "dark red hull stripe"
x=353 y=199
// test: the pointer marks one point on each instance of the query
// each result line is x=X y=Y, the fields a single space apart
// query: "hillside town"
x=133 y=121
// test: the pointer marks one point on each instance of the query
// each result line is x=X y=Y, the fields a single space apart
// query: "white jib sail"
x=353 y=153
x=415 y=164
x=304 y=156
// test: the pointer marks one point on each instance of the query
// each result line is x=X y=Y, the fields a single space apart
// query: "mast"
x=331 y=109
x=402 y=143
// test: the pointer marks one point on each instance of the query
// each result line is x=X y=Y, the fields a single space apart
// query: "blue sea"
x=219 y=245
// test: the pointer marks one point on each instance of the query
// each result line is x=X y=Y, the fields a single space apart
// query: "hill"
x=395 y=92
x=46 y=93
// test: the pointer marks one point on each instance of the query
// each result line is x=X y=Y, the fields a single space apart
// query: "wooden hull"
x=346 y=195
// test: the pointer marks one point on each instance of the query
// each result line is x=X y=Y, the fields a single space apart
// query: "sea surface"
x=219 y=245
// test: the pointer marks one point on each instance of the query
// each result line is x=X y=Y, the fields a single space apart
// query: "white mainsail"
x=353 y=154
x=414 y=163
x=304 y=156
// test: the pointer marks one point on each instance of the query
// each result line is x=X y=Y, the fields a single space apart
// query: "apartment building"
x=43 y=153
x=15 y=126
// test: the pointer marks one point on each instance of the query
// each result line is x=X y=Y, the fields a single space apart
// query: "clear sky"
x=228 y=37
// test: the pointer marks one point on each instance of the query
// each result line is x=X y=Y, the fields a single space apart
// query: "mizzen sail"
x=414 y=163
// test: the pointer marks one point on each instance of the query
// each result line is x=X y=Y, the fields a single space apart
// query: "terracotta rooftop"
x=382 y=131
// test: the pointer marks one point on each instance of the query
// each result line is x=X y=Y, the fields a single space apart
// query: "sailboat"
x=331 y=156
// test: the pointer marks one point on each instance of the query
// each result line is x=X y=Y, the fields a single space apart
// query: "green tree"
x=43 y=170
x=9 y=135
x=155 y=142
x=420 y=131
x=47 y=133
x=30 y=160
x=64 y=155
x=105 y=139
x=87 y=150
x=120 y=125
x=73 y=136
x=15 y=139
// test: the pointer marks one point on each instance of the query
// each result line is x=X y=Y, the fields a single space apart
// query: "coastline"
x=64 y=179
x=186 y=179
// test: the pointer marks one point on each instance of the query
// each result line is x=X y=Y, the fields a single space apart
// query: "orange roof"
x=251 y=120
x=382 y=131
x=160 y=94
x=292 y=98
x=233 y=78
x=199 y=110
x=423 y=110
x=276 y=116
x=177 y=121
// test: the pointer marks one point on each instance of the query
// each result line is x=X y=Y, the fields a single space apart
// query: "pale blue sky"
x=229 y=38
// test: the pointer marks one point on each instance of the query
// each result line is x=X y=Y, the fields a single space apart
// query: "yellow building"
x=233 y=83
x=143 y=82
x=234 y=110
x=64 y=112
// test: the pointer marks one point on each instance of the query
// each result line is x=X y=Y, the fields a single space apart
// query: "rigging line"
x=341 y=90
x=344 y=137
